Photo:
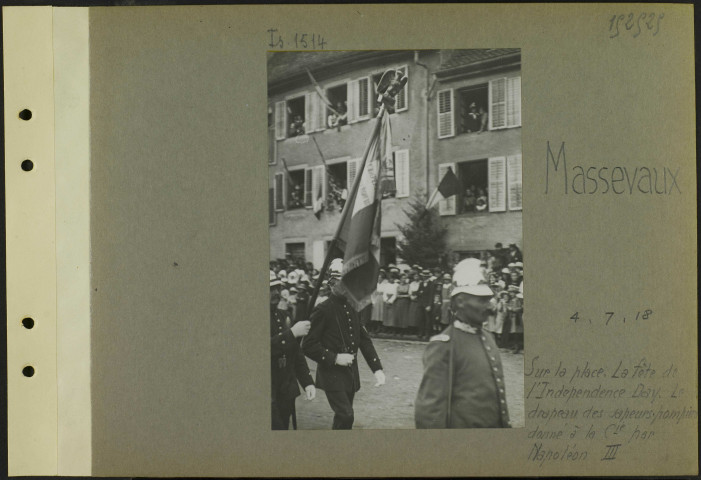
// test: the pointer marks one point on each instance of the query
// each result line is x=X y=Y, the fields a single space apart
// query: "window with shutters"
x=296 y=189
x=271 y=207
x=505 y=103
x=280 y=191
x=514 y=175
x=446 y=120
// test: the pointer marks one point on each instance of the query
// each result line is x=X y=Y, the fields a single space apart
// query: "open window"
x=295 y=190
x=295 y=252
x=474 y=177
x=338 y=97
x=473 y=109
x=296 y=116
x=388 y=251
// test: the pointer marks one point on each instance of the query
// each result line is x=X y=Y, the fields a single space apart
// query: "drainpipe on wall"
x=427 y=94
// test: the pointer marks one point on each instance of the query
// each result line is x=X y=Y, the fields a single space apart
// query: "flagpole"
x=346 y=209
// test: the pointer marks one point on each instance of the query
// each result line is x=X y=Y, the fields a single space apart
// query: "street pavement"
x=391 y=406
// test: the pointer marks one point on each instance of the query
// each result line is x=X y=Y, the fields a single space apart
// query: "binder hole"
x=27 y=165
x=28 y=323
x=25 y=114
x=28 y=371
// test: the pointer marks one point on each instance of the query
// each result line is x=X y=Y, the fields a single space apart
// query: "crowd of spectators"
x=415 y=301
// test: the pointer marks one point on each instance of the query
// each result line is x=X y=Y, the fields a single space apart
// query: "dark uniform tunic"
x=478 y=396
x=336 y=328
x=287 y=366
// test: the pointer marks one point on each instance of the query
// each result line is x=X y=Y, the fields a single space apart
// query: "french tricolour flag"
x=360 y=234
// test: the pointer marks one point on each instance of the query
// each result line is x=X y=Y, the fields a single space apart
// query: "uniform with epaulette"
x=463 y=380
x=288 y=366
x=336 y=328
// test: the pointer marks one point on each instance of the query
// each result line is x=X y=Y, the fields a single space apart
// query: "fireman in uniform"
x=463 y=380
x=333 y=342
x=288 y=365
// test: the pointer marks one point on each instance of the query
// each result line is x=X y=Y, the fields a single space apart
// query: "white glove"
x=344 y=359
x=310 y=391
x=301 y=328
x=380 y=377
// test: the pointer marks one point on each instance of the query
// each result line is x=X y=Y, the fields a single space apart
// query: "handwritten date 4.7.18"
x=612 y=317
x=635 y=24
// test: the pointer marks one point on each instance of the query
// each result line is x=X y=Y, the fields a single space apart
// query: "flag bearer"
x=333 y=342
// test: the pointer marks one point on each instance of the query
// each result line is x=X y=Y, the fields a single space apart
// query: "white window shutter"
x=403 y=96
x=308 y=187
x=447 y=206
x=497 y=103
x=280 y=120
x=513 y=102
x=271 y=206
x=363 y=111
x=352 y=101
x=446 y=118
x=497 y=184
x=321 y=114
x=279 y=191
x=351 y=171
x=514 y=177
x=309 y=113
x=318 y=184
x=401 y=172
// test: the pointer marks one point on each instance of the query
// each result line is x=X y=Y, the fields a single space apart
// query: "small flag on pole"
x=360 y=235
x=449 y=186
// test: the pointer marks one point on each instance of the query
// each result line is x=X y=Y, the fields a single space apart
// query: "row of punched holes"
x=27 y=165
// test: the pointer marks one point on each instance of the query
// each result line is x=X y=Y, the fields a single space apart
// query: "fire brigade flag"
x=449 y=186
x=360 y=235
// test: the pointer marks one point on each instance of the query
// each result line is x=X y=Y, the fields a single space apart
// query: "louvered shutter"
x=401 y=172
x=446 y=118
x=513 y=102
x=497 y=184
x=497 y=103
x=280 y=120
x=514 y=176
x=279 y=191
x=271 y=206
x=318 y=184
x=403 y=96
x=308 y=187
x=447 y=206
x=321 y=114
x=363 y=110
x=352 y=101
x=351 y=171
x=309 y=113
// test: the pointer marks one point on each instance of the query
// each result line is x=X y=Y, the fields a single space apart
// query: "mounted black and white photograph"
x=396 y=244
